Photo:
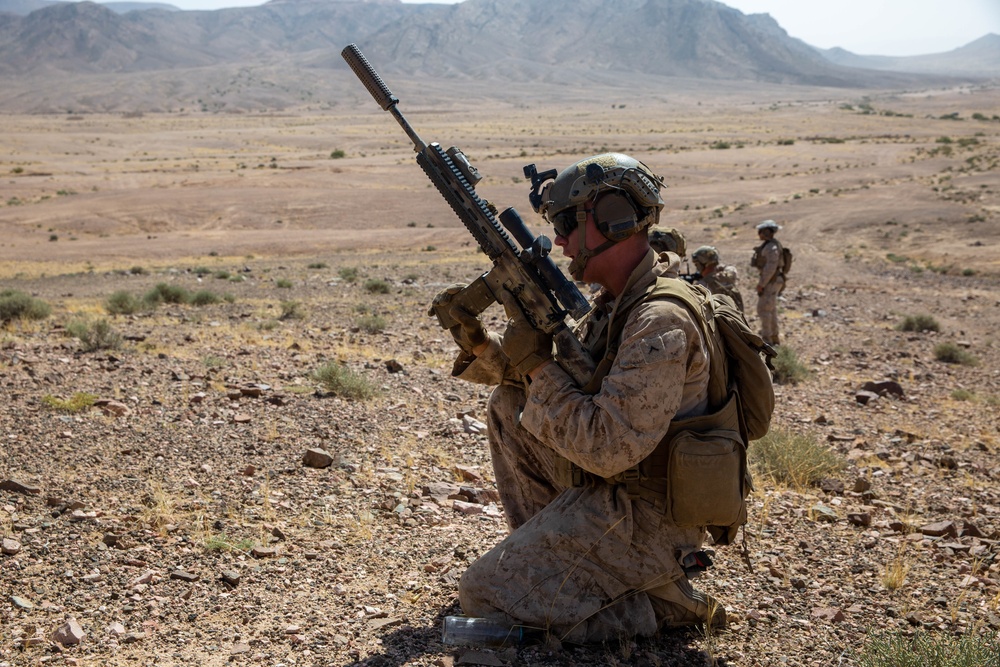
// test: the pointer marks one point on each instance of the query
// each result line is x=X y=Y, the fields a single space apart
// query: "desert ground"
x=175 y=520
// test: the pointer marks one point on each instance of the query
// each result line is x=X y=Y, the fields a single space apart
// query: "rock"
x=473 y=426
x=264 y=552
x=940 y=529
x=183 y=575
x=862 y=485
x=831 y=614
x=865 y=397
x=441 y=492
x=317 y=458
x=10 y=547
x=242 y=418
x=112 y=408
x=467 y=508
x=884 y=388
x=239 y=648
x=18 y=487
x=21 y=603
x=69 y=634
x=393 y=366
x=468 y=473
x=480 y=496
x=230 y=577
x=970 y=529
x=831 y=485
x=823 y=513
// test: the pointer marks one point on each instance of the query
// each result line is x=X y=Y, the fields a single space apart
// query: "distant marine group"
x=770 y=258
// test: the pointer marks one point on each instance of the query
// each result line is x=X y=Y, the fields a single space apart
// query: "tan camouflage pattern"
x=579 y=559
x=772 y=282
x=724 y=280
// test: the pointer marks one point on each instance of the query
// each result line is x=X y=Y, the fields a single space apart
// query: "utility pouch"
x=705 y=478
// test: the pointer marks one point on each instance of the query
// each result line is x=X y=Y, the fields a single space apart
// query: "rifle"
x=688 y=277
x=524 y=269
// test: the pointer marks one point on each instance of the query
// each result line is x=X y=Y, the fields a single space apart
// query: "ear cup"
x=615 y=216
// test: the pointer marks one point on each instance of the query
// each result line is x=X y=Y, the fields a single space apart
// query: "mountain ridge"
x=630 y=44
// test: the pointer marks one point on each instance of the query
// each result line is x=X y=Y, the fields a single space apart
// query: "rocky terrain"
x=189 y=490
x=181 y=518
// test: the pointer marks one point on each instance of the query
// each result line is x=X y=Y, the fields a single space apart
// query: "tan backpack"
x=698 y=473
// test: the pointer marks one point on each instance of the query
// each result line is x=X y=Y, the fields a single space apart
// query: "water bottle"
x=469 y=631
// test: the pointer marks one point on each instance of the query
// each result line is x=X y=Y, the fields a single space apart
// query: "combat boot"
x=679 y=604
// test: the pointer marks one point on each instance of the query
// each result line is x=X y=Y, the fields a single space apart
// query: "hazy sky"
x=866 y=27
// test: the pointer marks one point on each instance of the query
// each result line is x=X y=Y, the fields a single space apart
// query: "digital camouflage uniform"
x=773 y=282
x=724 y=280
x=588 y=563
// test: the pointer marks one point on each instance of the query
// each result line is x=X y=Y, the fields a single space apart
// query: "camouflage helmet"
x=562 y=201
x=669 y=240
x=768 y=224
x=705 y=255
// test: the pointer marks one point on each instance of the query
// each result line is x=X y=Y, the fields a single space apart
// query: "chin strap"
x=583 y=255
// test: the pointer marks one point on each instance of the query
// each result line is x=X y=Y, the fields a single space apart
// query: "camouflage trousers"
x=767 y=311
x=581 y=562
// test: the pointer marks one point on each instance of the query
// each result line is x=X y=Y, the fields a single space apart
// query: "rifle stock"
x=524 y=268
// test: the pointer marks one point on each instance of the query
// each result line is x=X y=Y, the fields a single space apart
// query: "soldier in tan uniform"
x=585 y=559
x=718 y=278
x=767 y=257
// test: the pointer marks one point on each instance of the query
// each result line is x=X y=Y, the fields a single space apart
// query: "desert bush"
x=793 y=459
x=963 y=395
x=167 y=293
x=16 y=305
x=918 y=323
x=93 y=336
x=292 y=310
x=318 y=265
x=204 y=298
x=787 y=367
x=75 y=403
x=348 y=274
x=283 y=283
x=376 y=286
x=923 y=649
x=344 y=382
x=953 y=354
x=371 y=323
x=122 y=303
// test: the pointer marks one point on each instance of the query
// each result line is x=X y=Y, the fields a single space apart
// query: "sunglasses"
x=565 y=222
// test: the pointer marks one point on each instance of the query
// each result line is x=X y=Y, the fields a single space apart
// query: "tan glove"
x=526 y=347
x=469 y=332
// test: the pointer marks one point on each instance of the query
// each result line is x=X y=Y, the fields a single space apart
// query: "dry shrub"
x=796 y=460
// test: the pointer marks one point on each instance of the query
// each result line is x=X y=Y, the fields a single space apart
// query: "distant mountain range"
x=978 y=58
x=554 y=41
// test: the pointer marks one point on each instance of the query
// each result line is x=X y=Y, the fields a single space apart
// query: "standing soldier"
x=768 y=258
x=718 y=278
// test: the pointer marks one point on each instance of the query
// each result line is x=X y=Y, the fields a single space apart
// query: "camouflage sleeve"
x=772 y=262
x=661 y=371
